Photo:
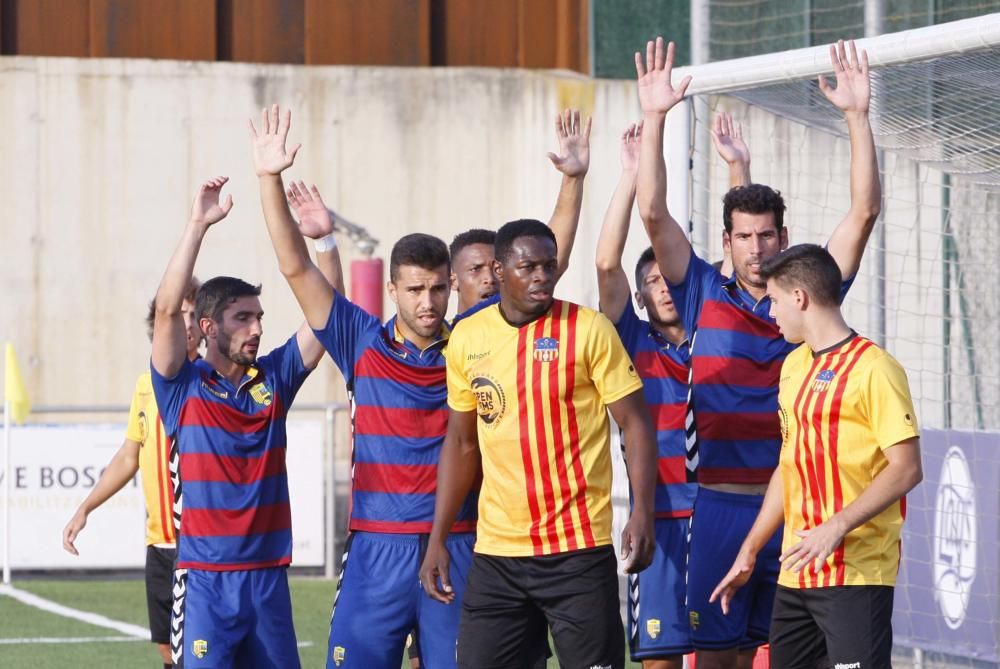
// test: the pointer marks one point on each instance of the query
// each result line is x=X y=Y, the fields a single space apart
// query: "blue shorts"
x=657 y=623
x=239 y=619
x=379 y=601
x=720 y=523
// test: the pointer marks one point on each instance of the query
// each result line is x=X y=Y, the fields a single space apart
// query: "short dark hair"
x=810 y=266
x=470 y=237
x=193 y=285
x=216 y=294
x=420 y=250
x=640 y=267
x=753 y=199
x=522 y=227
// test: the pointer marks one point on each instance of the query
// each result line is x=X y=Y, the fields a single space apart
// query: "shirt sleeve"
x=889 y=404
x=690 y=294
x=285 y=365
x=461 y=397
x=630 y=327
x=344 y=332
x=171 y=393
x=610 y=366
x=134 y=431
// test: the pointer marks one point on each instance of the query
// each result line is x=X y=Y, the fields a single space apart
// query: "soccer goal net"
x=928 y=290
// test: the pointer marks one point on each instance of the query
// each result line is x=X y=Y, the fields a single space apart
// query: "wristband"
x=324 y=244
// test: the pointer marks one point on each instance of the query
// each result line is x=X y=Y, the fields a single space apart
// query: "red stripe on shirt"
x=398 y=479
x=797 y=455
x=529 y=470
x=723 y=316
x=558 y=443
x=237 y=522
x=541 y=444
x=161 y=457
x=374 y=364
x=574 y=428
x=668 y=416
x=231 y=468
x=207 y=413
x=735 y=426
x=403 y=527
x=651 y=364
x=400 y=422
x=838 y=496
x=721 y=370
x=672 y=469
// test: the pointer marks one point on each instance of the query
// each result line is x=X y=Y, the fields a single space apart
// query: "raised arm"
x=573 y=161
x=458 y=467
x=612 y=281
x=852 y=96
x=657 y=96
x=271 y=158
x=169 y=334
x=727 y=135
x=632 y=415
x=316 y=223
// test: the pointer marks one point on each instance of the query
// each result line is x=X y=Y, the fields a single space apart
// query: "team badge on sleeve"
x=823 y=380
x=546 y=349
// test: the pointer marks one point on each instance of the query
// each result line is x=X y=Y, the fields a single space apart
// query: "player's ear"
x=208 y=327
x=783 y=235
x=638 y=300
x=453 y=281
x=497 y=267
x=390 y=288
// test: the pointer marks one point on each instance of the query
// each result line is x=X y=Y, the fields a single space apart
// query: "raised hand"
x=315 y=220
x=573 y=159
x=270 y=156
x=854 y=86
x=630 y=147
x=727 y=135
x=206 y=209
x=657 y=93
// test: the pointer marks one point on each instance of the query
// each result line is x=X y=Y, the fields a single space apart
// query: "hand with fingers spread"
x=854 y=88
x=207 y=210
x=315 y=220
x=727 y=135
x=270 y=156
x=817 y=544
x=657 y=93
x=630 y=148
x=737 y=577
x=573 y=159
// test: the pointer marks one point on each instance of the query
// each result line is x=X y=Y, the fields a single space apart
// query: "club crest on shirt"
x=823 y=380
x=491 y=402
x=338 y=655
x=200 y=648
x=546 y=349
x=261 y=395
x=653 y=627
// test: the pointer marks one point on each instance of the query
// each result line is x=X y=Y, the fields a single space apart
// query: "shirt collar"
x=665 y=343
x=397 y=338
x=746 y=299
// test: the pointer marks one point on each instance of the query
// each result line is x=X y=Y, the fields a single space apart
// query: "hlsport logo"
x=491 y=403
x=955 y=534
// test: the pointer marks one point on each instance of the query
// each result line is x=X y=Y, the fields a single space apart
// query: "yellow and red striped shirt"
x=145 y=428
x=540 y=391
x=839 y=410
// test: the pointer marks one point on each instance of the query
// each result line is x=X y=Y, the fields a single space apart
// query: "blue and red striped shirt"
x=736 y=361
x=232 y=459
x=663 y=368
x=398 y=395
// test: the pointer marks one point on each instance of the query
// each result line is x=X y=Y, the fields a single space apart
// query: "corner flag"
x=13 y=388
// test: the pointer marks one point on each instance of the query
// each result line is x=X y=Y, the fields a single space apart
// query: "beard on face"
x=224 y=342
x=420 y=328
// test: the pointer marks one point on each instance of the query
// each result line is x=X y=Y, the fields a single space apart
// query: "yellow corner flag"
x=13 y=388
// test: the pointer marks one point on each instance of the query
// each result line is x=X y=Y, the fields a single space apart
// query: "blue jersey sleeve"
x=631 y=328
x=344 y=333
x=690 y=294
x=284 y=365
x=171 y=393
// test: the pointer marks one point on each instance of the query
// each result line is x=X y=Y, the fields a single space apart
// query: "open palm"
x=315 y=220
x=727 y=135
x=657 y=93
x=854 y=88
x=630 y=147
x=573 y=158
x=269 y=153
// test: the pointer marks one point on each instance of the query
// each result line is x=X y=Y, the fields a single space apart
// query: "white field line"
x=70 y=639
x=134 y=631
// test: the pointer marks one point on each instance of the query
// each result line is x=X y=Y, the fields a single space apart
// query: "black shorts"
x=159 y=591
x=842 y=626
x=576 y=593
